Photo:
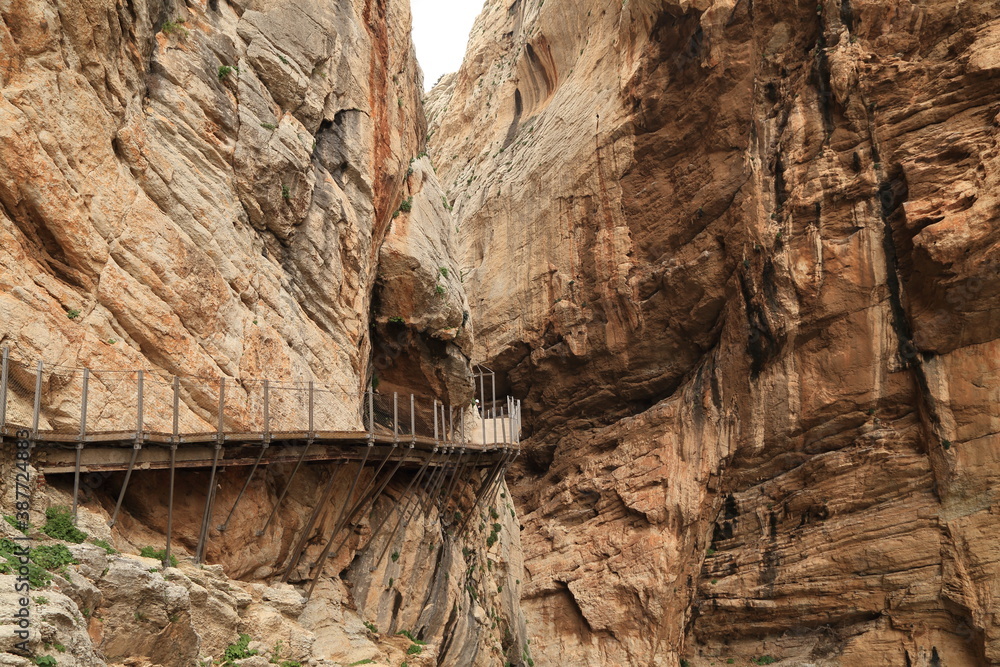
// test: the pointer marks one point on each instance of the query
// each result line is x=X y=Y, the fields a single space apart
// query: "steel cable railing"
x=75 y=403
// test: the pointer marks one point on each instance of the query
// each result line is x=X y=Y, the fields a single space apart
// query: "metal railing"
x=76 y=404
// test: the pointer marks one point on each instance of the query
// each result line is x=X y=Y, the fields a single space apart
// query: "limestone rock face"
x=202 y=186
x=753 y=318
x=423 y=327
x=207 y=188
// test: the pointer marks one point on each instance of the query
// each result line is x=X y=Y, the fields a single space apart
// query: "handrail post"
x=461 y=422
x=495 y=440
x=220 y=436
x=371 y=415
x=413 y=420
x=177 y=404
x=38 y=402
x=503 y=428
x=3 y=387
x=482 y=403
x=267 y=413
x=451 y=423
x=83 y=404
x=139 y=407
x=311 y=405
x=395 y=418
x=435 y=420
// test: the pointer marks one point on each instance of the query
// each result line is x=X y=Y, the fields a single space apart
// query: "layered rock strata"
x=754 y=319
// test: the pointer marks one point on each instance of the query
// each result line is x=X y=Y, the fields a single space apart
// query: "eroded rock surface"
x=754 y=319
x=207 y=189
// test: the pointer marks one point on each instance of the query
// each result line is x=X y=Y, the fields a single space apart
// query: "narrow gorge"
x=737 y=260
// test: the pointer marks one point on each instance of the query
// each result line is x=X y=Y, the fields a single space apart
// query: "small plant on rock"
x=59 y=525
x=73 y=313
x=158 y=554
x=174 y=27
x=238 y=650
x=225 y=71
x=104 y=545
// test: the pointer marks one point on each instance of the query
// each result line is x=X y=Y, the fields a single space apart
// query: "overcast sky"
x=440 y=32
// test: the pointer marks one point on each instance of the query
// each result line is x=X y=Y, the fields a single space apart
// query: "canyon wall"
x=235 y=189
x=739 y=258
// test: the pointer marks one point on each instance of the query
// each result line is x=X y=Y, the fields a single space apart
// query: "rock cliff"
x=235 y=188
x=739 y=257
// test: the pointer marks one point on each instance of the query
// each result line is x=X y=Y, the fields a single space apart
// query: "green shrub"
x=406 y=205
x=395 y=556
x=158 y=554
x=269 y=126
x=366 y=661
x=45 y=661
x=238 y=650
x=285 y=192
x=439 y=290
x=396 y=319
x=41 y=600
x=409 y=635
x=59 y=525
x=172 y=27
x=415 y=649
x=104 y=545
x=764 y=660
x=225 y=71
x=371 y=627
x=444 y=271
x=52 y=557
x=73 y=313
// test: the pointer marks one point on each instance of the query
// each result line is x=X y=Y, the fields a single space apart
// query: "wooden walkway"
x=82 y=421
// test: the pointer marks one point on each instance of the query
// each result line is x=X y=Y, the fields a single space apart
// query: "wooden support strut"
x=486 y=483
x=409 y=504
x=209 y=501
x=369 y=503
x=136 y=446
x=256 y=463
x=4 y=376
x=79 y=444
x=329 y=544
x=300 y=545
x=38 y=404
x=459 y=466
x=206 y=520
x=173 y=468
x=436 y=477
x=284 y=491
